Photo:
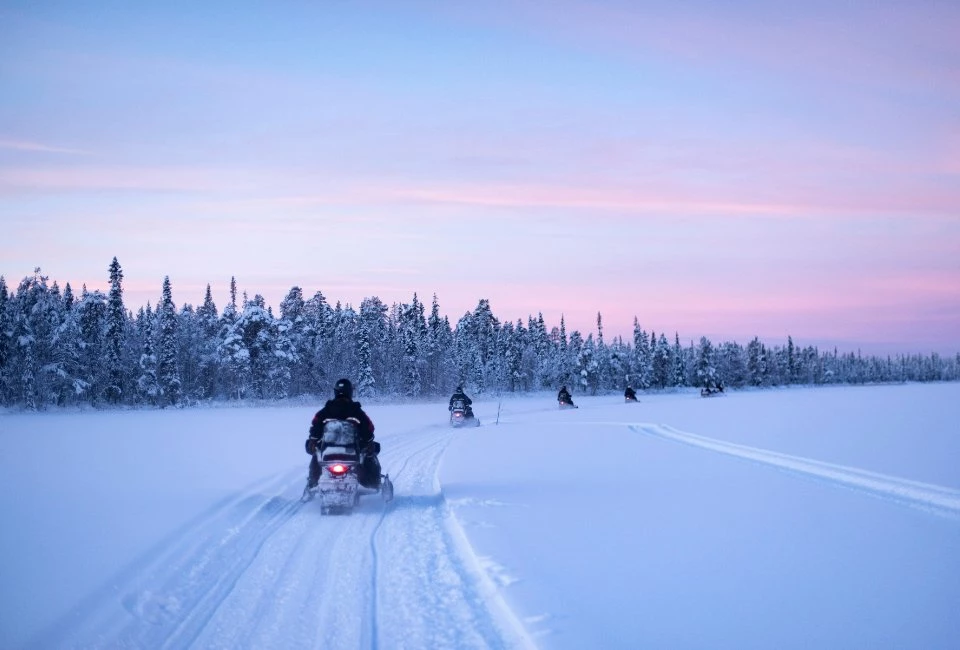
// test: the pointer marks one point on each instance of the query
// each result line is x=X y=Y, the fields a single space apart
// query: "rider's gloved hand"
x=310 y=445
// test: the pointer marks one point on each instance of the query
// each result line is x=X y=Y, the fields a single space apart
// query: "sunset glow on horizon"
x=724 y=171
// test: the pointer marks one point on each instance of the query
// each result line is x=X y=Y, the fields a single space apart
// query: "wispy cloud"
x=689 y=201
x=124 y=178
x=24 y=145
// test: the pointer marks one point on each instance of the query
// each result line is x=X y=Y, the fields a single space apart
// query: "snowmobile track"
x=262 y=568
x=933 y=499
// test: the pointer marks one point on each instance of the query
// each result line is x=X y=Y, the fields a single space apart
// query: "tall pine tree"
x=168 y=375
x=116 y=335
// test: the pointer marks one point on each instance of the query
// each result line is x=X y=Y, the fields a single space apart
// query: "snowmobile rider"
x=564 y=396
x=460 y=395
x=630 y=394
x=342 y=407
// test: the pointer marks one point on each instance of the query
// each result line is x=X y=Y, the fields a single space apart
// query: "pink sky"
x=722 y=170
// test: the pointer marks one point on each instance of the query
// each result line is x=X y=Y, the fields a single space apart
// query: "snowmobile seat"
x=339 y=440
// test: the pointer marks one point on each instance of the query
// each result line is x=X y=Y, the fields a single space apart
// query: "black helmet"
x=343 y=388
x=460 y=388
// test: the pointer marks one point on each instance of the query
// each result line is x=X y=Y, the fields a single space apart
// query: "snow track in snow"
x=263 y=569
x=935 y=499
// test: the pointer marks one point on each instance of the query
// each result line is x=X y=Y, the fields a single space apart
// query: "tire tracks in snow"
x=260 y=569
x=431 y=590
x=933 y=499
x=137 y=607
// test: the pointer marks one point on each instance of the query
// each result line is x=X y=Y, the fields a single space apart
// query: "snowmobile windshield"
x=339 y=432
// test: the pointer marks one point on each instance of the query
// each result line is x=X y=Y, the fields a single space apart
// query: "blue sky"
x=723 y=170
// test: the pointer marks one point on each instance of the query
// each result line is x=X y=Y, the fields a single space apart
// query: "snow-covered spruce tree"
x=587 y=367
x=168 y=374
x=37 y=311
x=208 y=361
x=516 y=343
x=28 y=374
x=6 y=345
x=662 y=366
x=679 y=363
x=292 y=325
x=465 y=351
x=70 y=387
x=412 y=333
x=811 y=368
x=706 y=370
x=602 y=358
x=549 y=363
x=572 y=361
x=92 y=313
x=510 y=346
x=24 y=368
x=792 y=362
x=449 y=377
x=371 y=363
x=731 y=364
x=332 y=350
x=366 y=384
x=419 y=325
x=642 y=357
x=234 y=359
x=436 y=351
x=757 y=363
x=188 y=345
x=563 y=363
x=316 y=316
x=344 y=343
x=116 y=336
x=255 y=327
x=231 y=312
x=148 y=389
x=618 y=367
x=536 y=355
x=482 y=327
x=285 y=358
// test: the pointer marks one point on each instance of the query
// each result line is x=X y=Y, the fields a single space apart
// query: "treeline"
x=57 y=348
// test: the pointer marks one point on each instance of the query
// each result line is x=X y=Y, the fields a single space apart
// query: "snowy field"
x=800 y=518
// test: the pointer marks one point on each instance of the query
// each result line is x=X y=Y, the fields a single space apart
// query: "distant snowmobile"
x=461 y=416
x=342 y=479
x=566 y=402
x=710 y=391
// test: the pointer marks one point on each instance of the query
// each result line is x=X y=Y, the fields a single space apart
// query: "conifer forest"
x=58 y=348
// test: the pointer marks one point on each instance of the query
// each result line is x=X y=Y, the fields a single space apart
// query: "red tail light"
x=338 y=469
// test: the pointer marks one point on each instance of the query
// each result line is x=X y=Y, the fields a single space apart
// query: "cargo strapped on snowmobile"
x=339 y=439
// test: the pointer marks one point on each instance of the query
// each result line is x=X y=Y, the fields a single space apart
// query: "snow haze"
x=789 y=518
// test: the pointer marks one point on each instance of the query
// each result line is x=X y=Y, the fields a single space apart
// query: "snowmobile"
x=566 y=403
x=710 y=391
x=460 y=416
x=630 y=400
x=342 y=476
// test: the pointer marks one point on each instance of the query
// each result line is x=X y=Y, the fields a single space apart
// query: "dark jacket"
x=460 y=395
x=630 y=393
x=340 y=409
x=564 y=396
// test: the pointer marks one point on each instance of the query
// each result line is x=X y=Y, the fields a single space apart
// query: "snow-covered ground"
x=798 y=518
